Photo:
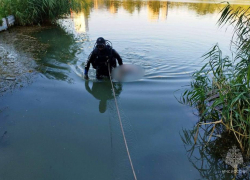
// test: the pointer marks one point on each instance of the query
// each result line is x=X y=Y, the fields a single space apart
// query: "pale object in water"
x=127 y=72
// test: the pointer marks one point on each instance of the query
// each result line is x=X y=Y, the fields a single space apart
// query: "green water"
x=61 y=127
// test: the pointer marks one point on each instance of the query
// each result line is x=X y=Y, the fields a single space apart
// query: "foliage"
x=208 y=154
x=28 y=12
x=220 y=90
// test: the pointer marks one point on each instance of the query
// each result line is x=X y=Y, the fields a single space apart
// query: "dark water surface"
x=61 y=127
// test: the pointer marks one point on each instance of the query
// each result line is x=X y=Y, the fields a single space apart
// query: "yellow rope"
x=123 y=134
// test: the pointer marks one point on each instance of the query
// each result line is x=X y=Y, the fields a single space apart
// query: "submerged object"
x=7 y=22
x=127 y=72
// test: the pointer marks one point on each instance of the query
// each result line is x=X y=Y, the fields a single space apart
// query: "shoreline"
x=18 y=50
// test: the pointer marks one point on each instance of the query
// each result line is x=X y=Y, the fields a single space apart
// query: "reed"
x=220 y=89
x=29 y=12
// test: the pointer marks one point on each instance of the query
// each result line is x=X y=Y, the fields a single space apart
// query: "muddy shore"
x=18 y=56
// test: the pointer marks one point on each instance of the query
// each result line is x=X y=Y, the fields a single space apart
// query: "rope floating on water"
x=123 y=134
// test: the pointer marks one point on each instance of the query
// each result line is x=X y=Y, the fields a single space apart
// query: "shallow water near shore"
x=62 y=127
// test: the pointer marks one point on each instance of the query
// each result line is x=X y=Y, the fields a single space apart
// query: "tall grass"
x=208 y=158
x=220 y=89
x=28 y=12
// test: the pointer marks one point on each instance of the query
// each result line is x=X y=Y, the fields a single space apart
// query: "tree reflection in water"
x=62 y=47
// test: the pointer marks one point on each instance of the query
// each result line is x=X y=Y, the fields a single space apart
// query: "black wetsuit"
x=99 y=59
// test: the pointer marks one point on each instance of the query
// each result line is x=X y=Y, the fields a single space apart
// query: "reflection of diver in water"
x=103 y=92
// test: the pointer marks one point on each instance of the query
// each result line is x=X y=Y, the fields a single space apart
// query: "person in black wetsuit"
x=102 y=55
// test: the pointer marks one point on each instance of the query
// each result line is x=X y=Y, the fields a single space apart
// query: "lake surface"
x=62 y=127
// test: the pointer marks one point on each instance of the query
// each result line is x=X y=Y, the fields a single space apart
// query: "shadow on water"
x=103 y=92
x=212 y=156
x=4 y=140
x=61 y=49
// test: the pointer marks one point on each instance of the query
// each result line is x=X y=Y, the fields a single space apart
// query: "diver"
x=101 y=57
x=102 y=91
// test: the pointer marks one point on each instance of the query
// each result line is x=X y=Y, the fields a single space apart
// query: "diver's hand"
x=86 y=77
x=86 y=74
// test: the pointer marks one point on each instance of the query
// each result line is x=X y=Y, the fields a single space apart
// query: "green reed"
x=29 y=12
x=220 y=89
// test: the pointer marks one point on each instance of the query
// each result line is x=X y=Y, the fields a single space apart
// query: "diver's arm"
x=118 y=57
x=90 y=60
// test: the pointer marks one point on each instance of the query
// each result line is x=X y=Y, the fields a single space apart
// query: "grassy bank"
x=221 y=89
x=30 y=12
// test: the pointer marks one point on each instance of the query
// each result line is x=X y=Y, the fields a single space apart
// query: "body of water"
x=63 y=127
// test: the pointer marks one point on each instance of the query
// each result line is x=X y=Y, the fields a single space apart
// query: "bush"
x=220 y=90
x=29 y=12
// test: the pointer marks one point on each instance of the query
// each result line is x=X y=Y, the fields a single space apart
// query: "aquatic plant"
x=29 y=12
x=210 y=158
x=220 y=89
